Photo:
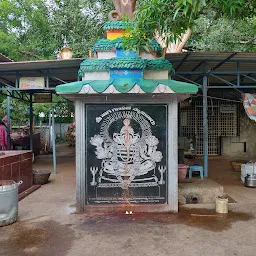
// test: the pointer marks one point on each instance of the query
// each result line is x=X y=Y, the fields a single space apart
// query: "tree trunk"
x=173 y=47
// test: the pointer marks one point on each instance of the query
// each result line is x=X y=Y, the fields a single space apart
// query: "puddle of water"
x=210 y=220
x=199 y=218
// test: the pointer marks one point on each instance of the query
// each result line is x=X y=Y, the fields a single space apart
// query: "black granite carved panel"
x=126 y=154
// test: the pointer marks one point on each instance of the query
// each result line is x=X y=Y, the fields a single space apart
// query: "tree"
x=223 y=35
x=19 y=111
x=79 y=23
x=64 y=110
x=37 y=29
x=26 y=24
x=170 y=21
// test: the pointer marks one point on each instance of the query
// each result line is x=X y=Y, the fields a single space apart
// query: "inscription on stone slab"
x=126 y=154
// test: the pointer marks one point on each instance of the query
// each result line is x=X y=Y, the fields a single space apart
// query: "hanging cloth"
x=3 y=138
x=249 y=102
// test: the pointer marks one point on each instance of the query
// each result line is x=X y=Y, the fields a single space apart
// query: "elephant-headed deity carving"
x=123 y=7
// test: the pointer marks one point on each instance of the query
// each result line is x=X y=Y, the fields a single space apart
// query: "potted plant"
x=70 y=135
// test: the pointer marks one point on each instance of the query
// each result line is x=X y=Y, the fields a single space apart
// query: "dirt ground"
x=48 y=226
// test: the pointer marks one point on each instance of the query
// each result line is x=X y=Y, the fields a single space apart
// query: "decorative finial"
x=65 y=53
x=123 y=7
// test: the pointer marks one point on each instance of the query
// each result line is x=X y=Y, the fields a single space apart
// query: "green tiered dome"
x=120 y=63
x=117 y=25
x=124 y=71
x=108 y=45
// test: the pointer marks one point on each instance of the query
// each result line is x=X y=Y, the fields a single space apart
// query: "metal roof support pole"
x=52 y=139
x=17 y=82
x=238 y=73
x=53 y=142
x=8 y=120
x=31 y=121
x=47 y=79
x=249 y=77
x=205 y=125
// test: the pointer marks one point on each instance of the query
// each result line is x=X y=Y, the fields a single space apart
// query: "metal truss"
x=11 y=89
x=218 y=75
x=15 y=94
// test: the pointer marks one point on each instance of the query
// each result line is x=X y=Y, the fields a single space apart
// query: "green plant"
x=169 y=20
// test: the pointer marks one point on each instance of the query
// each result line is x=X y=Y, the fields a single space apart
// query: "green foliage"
x=27 y=24
x=64 y=110
x=37 y=29
x=223 y=35
x=172 y=18
x=19 y=111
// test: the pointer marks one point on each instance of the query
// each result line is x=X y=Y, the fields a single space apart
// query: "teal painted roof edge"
x=74 y=87
x=124 y=85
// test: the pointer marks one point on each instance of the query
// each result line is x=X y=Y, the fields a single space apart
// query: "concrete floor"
x=48 y=226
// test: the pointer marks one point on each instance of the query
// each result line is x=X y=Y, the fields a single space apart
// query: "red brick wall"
x=17 y=165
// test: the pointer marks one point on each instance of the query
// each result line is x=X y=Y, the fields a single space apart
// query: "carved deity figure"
x=127 y=156
x=123 y=7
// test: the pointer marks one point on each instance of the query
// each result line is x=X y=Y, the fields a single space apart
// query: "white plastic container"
x=221 y=204
x=249 y=168
x=8 y=202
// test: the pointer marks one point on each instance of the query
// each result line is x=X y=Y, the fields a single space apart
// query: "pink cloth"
x=4 y=119
x=3 y=138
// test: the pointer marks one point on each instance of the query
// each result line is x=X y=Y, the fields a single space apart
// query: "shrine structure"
x=126 y=126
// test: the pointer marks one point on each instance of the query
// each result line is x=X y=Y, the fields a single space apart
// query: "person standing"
x=3 y=136
x=4 y=119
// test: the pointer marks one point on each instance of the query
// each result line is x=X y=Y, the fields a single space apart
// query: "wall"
x=234 y=147
x=17 y=165
x=60 y=129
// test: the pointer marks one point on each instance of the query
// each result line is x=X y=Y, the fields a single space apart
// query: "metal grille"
x=222 y=121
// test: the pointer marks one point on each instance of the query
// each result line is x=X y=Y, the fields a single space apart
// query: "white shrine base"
x=172 y=151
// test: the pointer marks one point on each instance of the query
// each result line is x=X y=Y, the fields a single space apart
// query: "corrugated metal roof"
x=59 y=71
x=40 y=65
x=62 y=71
x=226 y=65
x=190 y=60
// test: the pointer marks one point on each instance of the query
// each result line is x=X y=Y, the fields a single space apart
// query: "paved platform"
x=47 y=224
x=200 y=191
